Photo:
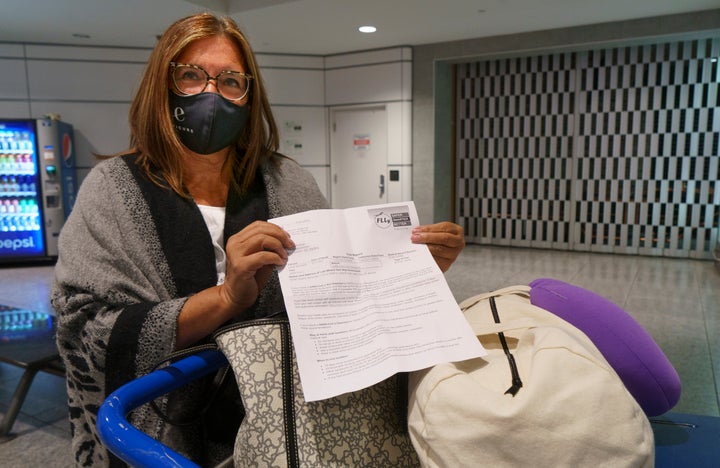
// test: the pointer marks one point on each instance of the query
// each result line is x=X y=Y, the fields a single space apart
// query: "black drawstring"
x=516 y=382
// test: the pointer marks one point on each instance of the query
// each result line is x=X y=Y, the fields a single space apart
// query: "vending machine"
x=37 y=187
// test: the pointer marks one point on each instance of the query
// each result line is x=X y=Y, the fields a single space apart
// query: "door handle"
x=382 y=185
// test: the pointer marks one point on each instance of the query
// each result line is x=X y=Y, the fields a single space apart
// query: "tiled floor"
x=677 y=301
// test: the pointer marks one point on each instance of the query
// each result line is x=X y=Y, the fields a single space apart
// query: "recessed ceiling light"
x=367 y=29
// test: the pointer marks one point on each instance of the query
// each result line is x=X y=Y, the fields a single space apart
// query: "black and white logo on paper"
x=391 y=216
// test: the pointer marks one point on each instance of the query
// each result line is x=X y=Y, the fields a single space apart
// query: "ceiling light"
x=367 y=29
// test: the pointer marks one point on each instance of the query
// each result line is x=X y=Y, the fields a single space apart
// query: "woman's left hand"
x=445 y=241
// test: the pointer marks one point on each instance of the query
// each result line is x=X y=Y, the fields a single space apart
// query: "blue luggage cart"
x=130 y=444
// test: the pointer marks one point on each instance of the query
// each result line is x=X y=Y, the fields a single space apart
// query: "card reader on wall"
x=52 y=201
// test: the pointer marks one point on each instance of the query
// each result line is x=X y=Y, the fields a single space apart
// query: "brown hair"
x=152 y=134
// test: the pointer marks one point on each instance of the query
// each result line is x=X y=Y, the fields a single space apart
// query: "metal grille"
x=613 y=150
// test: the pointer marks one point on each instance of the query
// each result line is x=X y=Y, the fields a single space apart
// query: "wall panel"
x=303 y=133
x=295 y=87
x=13 y=80
x=368 y=83
x=83 y=81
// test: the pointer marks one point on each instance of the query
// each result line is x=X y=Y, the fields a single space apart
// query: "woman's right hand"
x=251 y=255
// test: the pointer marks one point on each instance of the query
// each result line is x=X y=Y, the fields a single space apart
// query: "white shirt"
x=215 y=220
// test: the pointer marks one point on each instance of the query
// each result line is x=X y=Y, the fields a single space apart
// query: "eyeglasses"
x=192 y=79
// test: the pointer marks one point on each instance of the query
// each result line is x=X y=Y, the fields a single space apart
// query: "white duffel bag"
x=546 y=397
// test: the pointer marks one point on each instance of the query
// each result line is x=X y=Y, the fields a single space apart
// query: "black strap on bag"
x=214 y=388
x=293 y=456
x=516 y=381
x=218 y=424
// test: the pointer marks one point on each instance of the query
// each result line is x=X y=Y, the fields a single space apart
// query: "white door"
x=358 y=152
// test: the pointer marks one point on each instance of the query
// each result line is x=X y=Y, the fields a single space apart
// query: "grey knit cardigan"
x=131 y=253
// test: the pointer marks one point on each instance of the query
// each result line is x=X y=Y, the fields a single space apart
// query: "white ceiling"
x=318 y=27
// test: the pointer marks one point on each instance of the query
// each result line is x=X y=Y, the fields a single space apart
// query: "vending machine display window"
x=21 y=225
x=37 y=187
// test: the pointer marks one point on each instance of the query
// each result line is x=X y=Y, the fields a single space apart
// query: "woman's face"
x=214 y=55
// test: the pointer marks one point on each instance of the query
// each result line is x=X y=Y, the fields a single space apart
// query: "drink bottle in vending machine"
x=37 y=187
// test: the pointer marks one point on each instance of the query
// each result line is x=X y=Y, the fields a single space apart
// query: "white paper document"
x=364 y=302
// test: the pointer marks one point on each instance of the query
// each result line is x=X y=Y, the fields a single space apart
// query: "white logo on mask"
x=179 y=114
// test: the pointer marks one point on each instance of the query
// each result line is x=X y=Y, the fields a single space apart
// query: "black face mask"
x=207 y=122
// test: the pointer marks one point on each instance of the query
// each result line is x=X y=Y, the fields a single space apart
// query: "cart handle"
x=132 y=445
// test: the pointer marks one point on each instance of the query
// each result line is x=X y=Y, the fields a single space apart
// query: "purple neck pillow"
x=630 y=350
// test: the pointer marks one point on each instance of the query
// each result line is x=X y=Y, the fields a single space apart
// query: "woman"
x=169 y=240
